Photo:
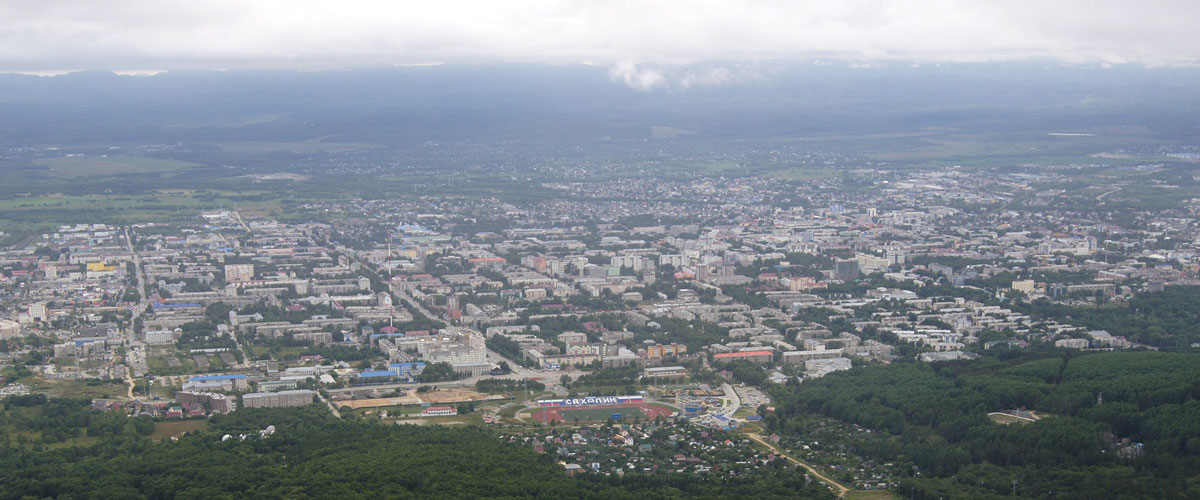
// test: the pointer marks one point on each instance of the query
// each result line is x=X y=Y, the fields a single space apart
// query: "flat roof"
x=378 y=373
x=739 y=354
x=207 y=378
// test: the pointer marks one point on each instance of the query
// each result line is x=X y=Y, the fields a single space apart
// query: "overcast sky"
x=632 y=38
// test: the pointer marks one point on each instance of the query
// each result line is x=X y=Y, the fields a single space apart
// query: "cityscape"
x=770 y=279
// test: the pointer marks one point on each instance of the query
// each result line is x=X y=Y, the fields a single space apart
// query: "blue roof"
x=407 y=365
x=388 y=335
x=208 y=378
x=379 y=373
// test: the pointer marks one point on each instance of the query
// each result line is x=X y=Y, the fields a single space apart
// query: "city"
x=405 y=312
x=842 y=250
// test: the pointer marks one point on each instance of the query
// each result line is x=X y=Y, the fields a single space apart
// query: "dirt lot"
x=440 y=396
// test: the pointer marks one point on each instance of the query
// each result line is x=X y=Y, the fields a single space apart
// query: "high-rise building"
x=217 y=403
x=37 y=311
x=239 y=273
x=846 y=270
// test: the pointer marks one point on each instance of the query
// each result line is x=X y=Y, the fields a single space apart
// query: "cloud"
x=643 y=42
x=651 y=76
x=640 y=78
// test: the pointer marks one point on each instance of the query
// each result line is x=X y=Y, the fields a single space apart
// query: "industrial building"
x=227 y=383
x=665 y=372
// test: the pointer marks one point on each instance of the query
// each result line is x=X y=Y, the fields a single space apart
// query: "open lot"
x=1008 y=418
x=80 y=388
x=176 y=428
x=440 y=396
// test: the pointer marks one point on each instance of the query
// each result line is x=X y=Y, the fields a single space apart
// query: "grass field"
x=80 y=389
x=284 y=354
x=22 y=216
x=471 y=419
x=593 y=414
x=745 y=411
x=176 y=428
x=79 y=166
x=157 y=362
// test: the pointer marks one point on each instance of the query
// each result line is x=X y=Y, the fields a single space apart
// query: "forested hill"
x=313 y=455
x=934 y=420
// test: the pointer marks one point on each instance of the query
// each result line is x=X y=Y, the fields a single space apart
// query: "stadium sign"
x=592 y=401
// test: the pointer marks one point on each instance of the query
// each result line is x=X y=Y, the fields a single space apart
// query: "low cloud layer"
x=635 y=39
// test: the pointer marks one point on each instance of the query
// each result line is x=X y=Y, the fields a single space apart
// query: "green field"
x=595 y=414
x=81 y=389
x=176 y=428
x=79 y=166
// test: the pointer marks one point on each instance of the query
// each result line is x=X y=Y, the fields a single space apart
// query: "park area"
x=641 y=411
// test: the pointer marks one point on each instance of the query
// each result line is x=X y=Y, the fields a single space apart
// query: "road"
x=238 y=216
x=129 y=380
x=413 y=304
x=332 y=408
x=838 y=488
x=135 y=356
x=138 y=273
x=732 y=395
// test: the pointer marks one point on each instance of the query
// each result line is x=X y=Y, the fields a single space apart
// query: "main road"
x=135 y=355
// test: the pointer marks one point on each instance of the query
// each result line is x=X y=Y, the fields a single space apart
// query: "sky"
x=638 y=41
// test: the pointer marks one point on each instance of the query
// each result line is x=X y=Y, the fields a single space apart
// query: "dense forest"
x=313 y=455
x=1163 y=319
x=934 y=418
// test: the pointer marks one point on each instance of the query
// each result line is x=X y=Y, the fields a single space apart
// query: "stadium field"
x=599 y=413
